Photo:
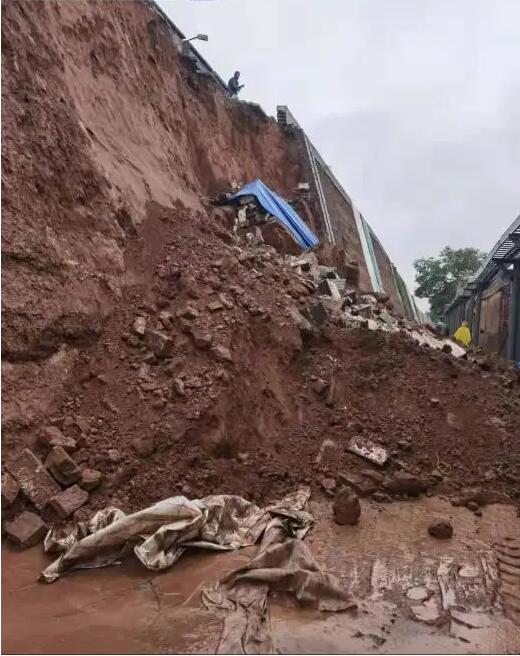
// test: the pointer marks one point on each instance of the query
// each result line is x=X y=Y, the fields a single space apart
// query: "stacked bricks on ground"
x=41 y=485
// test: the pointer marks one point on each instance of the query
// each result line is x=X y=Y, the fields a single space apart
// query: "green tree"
x=437 y=277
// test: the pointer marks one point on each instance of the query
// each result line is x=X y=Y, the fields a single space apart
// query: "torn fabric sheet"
x=160 y=534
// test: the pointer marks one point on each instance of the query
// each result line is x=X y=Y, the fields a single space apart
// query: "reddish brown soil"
x=107 y=159
x=264 y=404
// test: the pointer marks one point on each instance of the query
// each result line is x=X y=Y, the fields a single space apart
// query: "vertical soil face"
x=99 y=118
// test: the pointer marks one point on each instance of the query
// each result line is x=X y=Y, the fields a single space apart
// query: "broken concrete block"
x=62 y=466
x=90 y=479
x=50 y=436
x=365 y=448
x=346 y=507
x=159 y=343
x=315 y=313
x=35 y=481
x=328 y=287
x=26 y=530
x=66 y=502
x=10 y=489
x=222 y=353
x=361 y=485
x=139 y=326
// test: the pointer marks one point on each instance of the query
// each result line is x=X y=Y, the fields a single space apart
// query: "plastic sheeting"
x=281 y=210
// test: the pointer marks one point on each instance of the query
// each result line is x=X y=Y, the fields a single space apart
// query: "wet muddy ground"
x=416 y=594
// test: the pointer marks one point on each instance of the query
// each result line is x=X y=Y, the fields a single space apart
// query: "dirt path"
x=389 y=563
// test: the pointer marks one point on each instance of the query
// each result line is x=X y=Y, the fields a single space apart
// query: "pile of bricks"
x=56 y=483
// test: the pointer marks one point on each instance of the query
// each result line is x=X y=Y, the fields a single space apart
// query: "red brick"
x=66 y=502
x=36 y=482
x=90 y=479
x=50 y=436
x=62 y=466
x=26 y=530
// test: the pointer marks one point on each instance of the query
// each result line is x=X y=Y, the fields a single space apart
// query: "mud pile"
x=169 y=353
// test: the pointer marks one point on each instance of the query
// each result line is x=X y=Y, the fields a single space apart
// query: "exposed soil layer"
x=105 y=179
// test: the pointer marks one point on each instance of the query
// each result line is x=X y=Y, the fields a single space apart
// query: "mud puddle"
x=416 y=594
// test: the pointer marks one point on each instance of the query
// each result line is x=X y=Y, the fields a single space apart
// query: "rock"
x=188 y=312
x=66 y=502
x=161 y=345
x=50 y=436
x=178 y=386
x=202 y=340
x=90 y=479
x=435 y=401
x=381 y=497
x=215 y=306
x=226 y=302
x=10 y=489
x=328 y=484
x=329 y=288
x=405 y=483
x=418 y=593
x=34 y=480
x=222 y=353
x=114 y=455
x=437 y=475
x=243 y=457
x=472 y=505
x=82 y=425
x=361 y=485
x=143 y=446
x=441 y=529
x=346 y=507
x=62 y=466
x=165 y=318
x=26 y=530
x=139 y=326
x=365 y=448
x=315 y=313
x=320 y=385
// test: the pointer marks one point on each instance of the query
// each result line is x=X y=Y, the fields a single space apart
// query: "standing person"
x=233 y=85
x=463 y=334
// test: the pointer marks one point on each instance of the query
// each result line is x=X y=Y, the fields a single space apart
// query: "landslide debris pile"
x=150 y=349
x=223 y=369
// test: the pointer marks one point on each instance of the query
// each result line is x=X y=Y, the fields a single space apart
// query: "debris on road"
x=26 y=530
x=441 y=529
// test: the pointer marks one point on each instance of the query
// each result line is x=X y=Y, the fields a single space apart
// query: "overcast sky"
x=414 y=104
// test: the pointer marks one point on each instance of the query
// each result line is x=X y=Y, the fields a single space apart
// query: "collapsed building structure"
x=490 y=300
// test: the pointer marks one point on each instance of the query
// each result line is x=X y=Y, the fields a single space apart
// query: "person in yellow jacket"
x=463 y=334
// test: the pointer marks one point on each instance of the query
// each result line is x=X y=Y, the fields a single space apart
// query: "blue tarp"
x=280 y=209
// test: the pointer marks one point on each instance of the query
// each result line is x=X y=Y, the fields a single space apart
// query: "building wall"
x=344 y=227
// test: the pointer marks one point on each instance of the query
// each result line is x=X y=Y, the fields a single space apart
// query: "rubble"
x=367 y=449
x=139 y=326
x=34 y=480
x=346 y=507
x=51 y=436
x=360 y=484
x=66 y=502
x=26 y=530
x=405 y=483
x=10 y=489
x=160 y=344
x=441 y=529
x=90 y=479
x=62 y=466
